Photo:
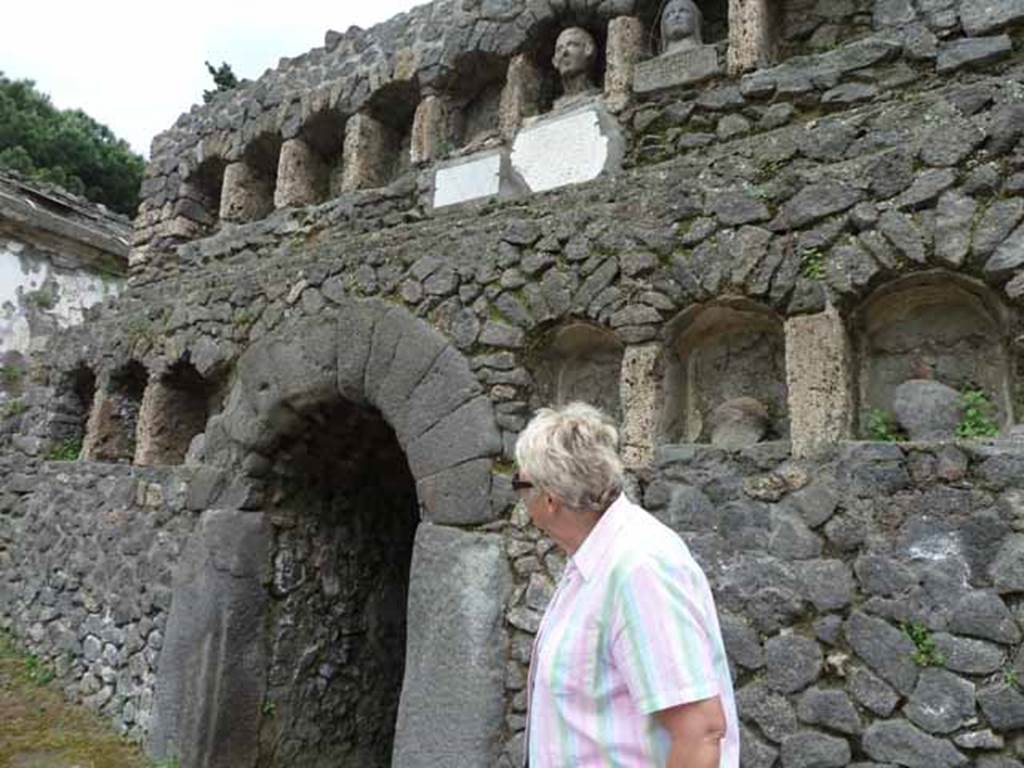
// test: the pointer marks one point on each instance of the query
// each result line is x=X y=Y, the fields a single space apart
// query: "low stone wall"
x=86 y=556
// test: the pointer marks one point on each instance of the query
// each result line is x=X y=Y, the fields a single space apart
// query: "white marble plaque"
x=680 y=68
x=471 y=178
x=552 y=151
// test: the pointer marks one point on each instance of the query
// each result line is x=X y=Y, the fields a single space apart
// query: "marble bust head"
x=681 y=26
x=575 y=51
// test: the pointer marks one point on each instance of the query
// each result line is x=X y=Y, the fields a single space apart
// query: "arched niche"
x=937 y=326
x=174 y=409
x=579 y=361
x=248 y=190
x=113 y=423
x=310 y=167
x=474 y=97
x=200 y=198
x=378 y=139
x=74 y=393
x=719 y=353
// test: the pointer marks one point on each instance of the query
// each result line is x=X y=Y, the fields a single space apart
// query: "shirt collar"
x=591 y=552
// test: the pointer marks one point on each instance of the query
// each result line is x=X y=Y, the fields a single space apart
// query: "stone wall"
x=86 y=558
x=818 y=233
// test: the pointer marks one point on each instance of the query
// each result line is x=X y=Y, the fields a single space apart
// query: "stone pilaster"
x=300 y=175
x=429 y=130
x=625 y=44
x=818 y=377
x=751 y=35
x=367 y=153
x=110 y=429
x=639 y=387
x=246 y=195
x=521 y=96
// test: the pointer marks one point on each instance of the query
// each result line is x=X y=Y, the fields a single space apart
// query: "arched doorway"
x=347 y=446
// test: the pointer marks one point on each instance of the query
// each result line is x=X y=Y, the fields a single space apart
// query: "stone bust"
x=575 y=51
x=681 y=26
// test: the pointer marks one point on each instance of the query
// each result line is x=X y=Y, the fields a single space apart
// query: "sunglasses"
x=518 y=484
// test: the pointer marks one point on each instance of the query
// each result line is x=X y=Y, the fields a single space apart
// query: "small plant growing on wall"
x=13 y=408
x=882 y=427
x=65 y=450
x=812 y=264
x=11 y=375
x=978 y=419
x=925 y=654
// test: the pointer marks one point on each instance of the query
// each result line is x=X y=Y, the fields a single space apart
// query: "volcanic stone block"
x=520 y=98
x=751 y=39
x=886 y=650
x=625 y=43
x=678 y=68
x=897 y=741
x=429 y=129
x=568 y=148
x=941 y=702
x=638 y=395
x=368 y=153
x=452 y=706
x=246 y=195
x=212 y=675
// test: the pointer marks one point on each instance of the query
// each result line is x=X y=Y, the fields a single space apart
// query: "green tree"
x=223 y=77
x=66 y=147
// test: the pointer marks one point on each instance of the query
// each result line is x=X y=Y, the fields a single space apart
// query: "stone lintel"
x=520 y=98
x=818 y=377
x=639 y=388
x=300 y=175
x=625 y=44
x=246 y=195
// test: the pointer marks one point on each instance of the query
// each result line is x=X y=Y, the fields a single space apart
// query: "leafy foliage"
x=926 y=654
x=13 y=408
x=66 y=147
x=223 y=78
x=812 y=264
x=882 y=427
x=66 y=450
x=978 y=419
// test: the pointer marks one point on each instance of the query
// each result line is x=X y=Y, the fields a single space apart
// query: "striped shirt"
x=631 y=630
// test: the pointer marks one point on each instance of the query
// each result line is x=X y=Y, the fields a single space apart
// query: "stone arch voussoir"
x=376 y=354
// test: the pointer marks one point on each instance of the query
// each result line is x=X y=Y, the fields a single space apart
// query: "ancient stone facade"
x=800 y=259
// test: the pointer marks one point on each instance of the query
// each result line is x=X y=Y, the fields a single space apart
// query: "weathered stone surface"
x=452 y=713
x=982 y=16
x=963 y=654
x=982 y=614
x=886 y=650
x=1007 y=570
x=927 y=410
x=770 y=711
x=900 y=742
x=831 y=708
x=212 y=676
x=941 y=702
x=1003 y=706
x=1008 y=257
x=809 y=749
x=793 y=662
x=872 y=692
x=738 y=423
x=973 y=51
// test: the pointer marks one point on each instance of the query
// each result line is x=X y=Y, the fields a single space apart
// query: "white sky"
x=135 y=65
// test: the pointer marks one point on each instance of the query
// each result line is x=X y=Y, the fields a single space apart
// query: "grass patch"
x=882 y=427
x=40 y=728
x=65 y=450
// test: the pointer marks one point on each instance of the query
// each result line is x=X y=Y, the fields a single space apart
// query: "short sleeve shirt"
x=631 y=629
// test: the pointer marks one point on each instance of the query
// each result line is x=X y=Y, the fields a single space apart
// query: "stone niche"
x=474 y=101
x=248 y=190
x=725 y=361
x=579 y=361
x=174 y=410
x=344 y=513
x=113 y=423
x=939 y=327
x=200 y=197
x=378 y=139
x=310 y=167
x=75 y=392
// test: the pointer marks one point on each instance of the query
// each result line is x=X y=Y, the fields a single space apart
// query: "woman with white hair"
x=628 y=666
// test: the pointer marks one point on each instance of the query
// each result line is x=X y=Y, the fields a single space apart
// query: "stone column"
x=751 y=35
x=521 y=96
x=819 y=380
x=625 y=43
x=300 y=175
x=639 y=388
x=246 y=195
x=367 y=153
x=110 y=429
x=429 y=130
